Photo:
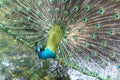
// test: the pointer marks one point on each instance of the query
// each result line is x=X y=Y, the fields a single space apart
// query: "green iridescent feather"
x=79 y=32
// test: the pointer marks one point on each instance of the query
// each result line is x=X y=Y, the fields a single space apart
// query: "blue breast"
x=47 y=53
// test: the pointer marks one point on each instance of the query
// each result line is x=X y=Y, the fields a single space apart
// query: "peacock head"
x=38 y=49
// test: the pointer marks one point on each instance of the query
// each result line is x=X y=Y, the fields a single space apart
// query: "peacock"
x=76 y=33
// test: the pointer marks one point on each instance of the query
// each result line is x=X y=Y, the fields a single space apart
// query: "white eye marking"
x=38 y=50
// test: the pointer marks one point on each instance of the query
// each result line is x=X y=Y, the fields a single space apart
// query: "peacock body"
x=71 y=31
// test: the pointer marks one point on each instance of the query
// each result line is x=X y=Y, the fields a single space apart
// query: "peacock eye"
x=97 y=25
x=38 y=13
x=57 y=10
x=38 y=50
x=64 y=1
x=75 y=8
x=66 y=13
x=85 y=19
x=101 y=11
x=40 y=4
x=19 y=9
x=52 y=1
x=28 y=10
x=49 y=10
x=87 y=8
x=117 y=16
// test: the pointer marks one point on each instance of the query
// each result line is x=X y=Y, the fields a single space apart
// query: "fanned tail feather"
x=91 y=29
